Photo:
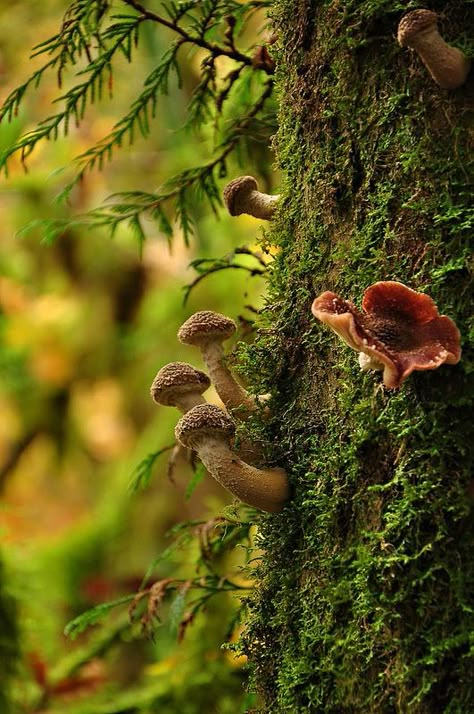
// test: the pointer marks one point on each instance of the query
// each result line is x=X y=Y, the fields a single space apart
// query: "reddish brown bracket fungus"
x=209 y=430
x=180 y=385
x=447 y=65
x=399 y=330
x=242 y=196
x=207 y=330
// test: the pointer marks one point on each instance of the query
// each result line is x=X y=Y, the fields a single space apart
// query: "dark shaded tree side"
x=9 y=643
x=365 y=598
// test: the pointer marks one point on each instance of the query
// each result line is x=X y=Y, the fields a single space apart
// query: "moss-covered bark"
x=366 y=596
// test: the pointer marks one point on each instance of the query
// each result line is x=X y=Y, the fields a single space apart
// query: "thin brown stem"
x=215 y=49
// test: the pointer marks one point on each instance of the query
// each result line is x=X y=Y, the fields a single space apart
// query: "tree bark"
x=365 y=599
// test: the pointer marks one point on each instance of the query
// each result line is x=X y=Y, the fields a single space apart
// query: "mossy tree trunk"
x=366 y=594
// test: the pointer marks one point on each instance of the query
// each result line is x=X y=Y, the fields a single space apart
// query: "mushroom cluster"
x=208 y=429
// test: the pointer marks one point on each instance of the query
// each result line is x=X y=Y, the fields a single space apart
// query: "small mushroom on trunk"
x=208 y=430
x=180 y=385
x=448 y=66
x=399 y=330
x=241 y=195
x=207 y=330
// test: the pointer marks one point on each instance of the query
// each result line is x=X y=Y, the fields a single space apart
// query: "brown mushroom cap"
x=413 y=23
x=204 y=420
x=177 y=379
x=236 y=190
x=206 y=326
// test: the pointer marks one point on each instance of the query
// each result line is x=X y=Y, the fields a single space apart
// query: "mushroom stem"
x=234 y=396
x=207 y=330
x=265 y=488
x=448 y=66
x=241 y=195
x=209 y=430
x=368 y=362
x=261 y=205
x=186 y=402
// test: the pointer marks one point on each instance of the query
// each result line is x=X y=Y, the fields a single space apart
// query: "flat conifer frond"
x=93 y=36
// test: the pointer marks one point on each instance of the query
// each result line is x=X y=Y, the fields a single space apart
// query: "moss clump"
x=366 y=595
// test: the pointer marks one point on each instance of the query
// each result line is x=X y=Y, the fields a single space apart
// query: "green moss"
x=365 y=598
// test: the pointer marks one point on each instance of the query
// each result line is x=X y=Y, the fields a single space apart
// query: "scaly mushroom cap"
x=413 y=23
x=401 y=329
x=206 y=326
x=236 y=191
x=204 y=421
x=177 y=379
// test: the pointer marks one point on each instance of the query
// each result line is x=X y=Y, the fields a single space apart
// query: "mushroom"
x=178 y=384
x=398 y=332
x=447 y=65
x=242 y=196
x=207 y=330
x=208 y=430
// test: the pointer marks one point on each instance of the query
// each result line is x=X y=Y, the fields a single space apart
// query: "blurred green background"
x=85 y=323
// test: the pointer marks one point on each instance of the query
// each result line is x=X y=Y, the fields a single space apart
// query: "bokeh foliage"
x=86 y=322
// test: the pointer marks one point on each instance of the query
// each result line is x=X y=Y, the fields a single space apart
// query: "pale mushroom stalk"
x=184 y=403
x=448 y=66
x=367 y=363
x=266 y=488
x=241 y=195
x=207 y=330
x=188 y=401
x=261 y=205
x=234 y=396
x=208 y=430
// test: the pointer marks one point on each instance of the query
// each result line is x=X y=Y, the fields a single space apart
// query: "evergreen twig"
x=197 y=40
x=207 y=266
x=90 y=33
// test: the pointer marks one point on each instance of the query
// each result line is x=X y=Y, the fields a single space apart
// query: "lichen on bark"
x=365 y=597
